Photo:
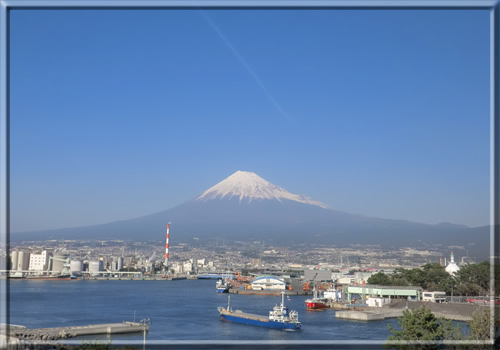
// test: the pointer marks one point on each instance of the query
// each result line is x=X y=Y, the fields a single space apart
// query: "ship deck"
x=247 y=315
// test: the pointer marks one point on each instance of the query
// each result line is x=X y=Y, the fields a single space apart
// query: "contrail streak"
x=246 y=66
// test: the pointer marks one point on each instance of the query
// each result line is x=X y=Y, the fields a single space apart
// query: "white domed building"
x=452 y=267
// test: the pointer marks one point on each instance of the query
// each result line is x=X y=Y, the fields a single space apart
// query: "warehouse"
x=392 y=292
x=268 y=282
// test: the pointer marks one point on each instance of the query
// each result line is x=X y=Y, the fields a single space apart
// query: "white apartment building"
x=177 y=268
x=188 y=267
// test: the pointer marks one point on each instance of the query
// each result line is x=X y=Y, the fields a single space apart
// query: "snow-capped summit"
x=248 y=185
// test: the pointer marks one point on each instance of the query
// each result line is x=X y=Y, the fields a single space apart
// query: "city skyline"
x=381 y=113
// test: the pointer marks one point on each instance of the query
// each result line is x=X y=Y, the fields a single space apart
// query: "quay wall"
x=267 y=292
x=24 y=337
x=450 y=311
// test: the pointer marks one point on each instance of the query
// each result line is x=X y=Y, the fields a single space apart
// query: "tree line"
x=470 y=280
x=425 y=331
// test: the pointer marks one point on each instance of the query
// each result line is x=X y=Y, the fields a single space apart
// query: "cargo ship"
x=279 y=317
x=52 y=278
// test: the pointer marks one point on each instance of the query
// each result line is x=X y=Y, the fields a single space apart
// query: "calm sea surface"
x=178 y=310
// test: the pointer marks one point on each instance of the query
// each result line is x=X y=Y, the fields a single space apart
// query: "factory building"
x=177 y=268
x=39 y=262
x=318 y=275
x=117 y=264
x=361 y=292
x=268 y=282
x=201 y=263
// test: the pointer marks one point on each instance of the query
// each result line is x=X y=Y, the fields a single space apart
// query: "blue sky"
x=117 y=114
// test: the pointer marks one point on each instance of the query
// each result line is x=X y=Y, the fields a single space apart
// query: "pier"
x=449 y=311
x=267 y=292
x=372 y=315
x=58 y=333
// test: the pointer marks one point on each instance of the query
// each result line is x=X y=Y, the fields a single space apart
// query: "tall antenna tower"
x=166 y=247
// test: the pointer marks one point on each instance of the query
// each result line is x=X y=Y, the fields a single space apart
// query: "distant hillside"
x=245 y=206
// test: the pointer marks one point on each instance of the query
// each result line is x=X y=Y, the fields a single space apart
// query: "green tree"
x=400 y=277
x=379 y=278
x=435 y=277
x=451 y=332
x=418 y=324
x=473 y=279
x=429 y=276
x=480 y=326
x=416 y=277
x=422 y=330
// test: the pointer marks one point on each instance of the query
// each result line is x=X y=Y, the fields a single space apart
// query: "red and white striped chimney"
x=166 y=248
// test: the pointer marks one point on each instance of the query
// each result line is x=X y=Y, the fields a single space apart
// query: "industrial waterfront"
x=98 y=290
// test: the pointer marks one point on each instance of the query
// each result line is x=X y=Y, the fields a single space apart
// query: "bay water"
x=178 y=310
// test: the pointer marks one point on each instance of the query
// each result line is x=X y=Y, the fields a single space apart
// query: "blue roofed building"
x=268 y=283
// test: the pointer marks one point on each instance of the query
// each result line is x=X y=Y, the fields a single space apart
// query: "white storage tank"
x=95 y=267
x=13 y=260
x=76 y=267
x=23 y=260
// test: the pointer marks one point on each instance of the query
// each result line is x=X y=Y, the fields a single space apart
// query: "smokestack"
x=166 y=248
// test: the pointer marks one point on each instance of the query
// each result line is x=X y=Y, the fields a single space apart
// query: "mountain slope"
x=245 y=206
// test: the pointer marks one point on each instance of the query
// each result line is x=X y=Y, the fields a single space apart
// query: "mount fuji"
x=245 y=206
x=249 y=186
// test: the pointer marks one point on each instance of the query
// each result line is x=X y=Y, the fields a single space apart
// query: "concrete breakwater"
x=373 y=315
x=449 y=311
x=58 y=333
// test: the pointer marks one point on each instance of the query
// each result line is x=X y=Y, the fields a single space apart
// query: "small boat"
x=279 y=317
x=315 y=302
x=223 y=285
